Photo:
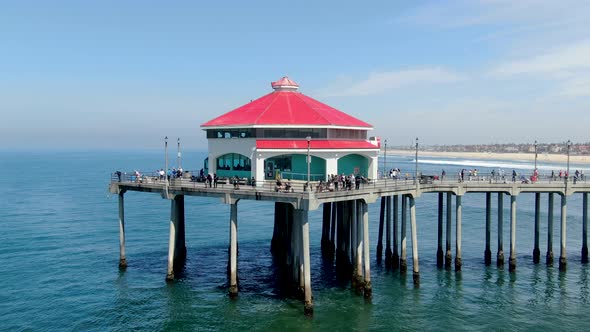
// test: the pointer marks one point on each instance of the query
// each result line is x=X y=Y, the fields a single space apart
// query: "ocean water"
x=59 y=254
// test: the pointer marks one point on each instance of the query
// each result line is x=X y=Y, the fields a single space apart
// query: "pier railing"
x=188 y=181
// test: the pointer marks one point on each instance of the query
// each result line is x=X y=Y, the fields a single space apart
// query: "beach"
x=541 y=157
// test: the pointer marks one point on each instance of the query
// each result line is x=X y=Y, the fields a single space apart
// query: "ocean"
x=59 y=255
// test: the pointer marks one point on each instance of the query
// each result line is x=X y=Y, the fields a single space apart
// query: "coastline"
x=541 y=157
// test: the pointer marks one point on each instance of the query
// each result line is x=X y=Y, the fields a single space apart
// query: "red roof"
x=286 y=107
x=315 y=144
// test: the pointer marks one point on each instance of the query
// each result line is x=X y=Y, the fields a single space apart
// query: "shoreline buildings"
x=273 y=135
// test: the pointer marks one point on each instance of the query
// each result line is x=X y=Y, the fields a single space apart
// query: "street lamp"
x=385 y=161
x=416 y=170
x=535 y=155
x=178 y=156
x=308 y=138
x=567 y=174
x=166 y=163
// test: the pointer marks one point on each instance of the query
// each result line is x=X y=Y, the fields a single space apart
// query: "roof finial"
x=285 y=84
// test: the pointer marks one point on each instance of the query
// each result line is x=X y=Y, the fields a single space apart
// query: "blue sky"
x=124 y=74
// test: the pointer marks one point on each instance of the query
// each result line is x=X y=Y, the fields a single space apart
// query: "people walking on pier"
x=513 y=176
x=443 y=175
x=215 y=179
x=209 y=180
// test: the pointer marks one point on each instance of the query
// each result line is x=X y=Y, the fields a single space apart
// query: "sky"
x=124 y=74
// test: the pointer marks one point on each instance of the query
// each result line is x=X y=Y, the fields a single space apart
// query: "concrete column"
x=233 y=250
x=276 y=242
x=500 y=256
x=439 y=251
x=403 y=265
x=354 y=254
x=536 y=251
x=181 y=237
x=340 y=253
x=326 y=216
x=368 y=286
x=488 y=251
x=512 y=260
x=459 y=209
x=388 y=253
x=584 y=227
x=172 y=241
x=562 y=253
x=333 y=231
x=122 y=257
x=395 y=254
x=448 y=254
x=549 y=258
x=358 y=232
x=308 y=305
x=416 y=267
x=297 y=263
x=379 y=252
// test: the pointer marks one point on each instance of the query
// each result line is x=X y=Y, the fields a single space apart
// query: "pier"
x=345 y=228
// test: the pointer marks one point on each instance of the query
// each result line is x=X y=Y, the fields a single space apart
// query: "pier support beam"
x=584 y=227
x=176 y=245
x=403 y=264
x=415 y=262
x=458 y=261
x=500 y=255
x=549 y=258
x=536 y=251
x=357 y=247
x=512 y=260
x=302 y=215
x=439 y=250
x=488 y=251
x=562 y=253
x=379 y=252
x=122 y=257
x=388 y=253
x=233 y=250
x=368 y=286
x=333 y=232
x=395 y=254
x=326 y=216
x=448 y=254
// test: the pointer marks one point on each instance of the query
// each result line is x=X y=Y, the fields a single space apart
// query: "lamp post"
x=567 y=174
x=179 y=155
x=308 y=138
x=166 y=164
x=385 y=161
x=535 y=155
x=416 y=168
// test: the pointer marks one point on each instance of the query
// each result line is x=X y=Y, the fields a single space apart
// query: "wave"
x=498 y=164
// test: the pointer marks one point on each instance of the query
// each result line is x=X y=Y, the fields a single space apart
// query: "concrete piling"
x=500 y=255
x=448 y=254
x=549 y=257
x=403 y=264
x=415 y=262
x=536 y=251
x=333 y=232
x=172 y=242
x=368 y=286
x=562 y=253
x=512 y=259
x=233 y=250
x=379 y=251
x=459 y=209
x=439 y=251
x=122 y=257
x=395 y=254
x=325 y=242
x=584 y=227
x=303 y=221
x=488 y=252
x=359 y=244
x=388 y=253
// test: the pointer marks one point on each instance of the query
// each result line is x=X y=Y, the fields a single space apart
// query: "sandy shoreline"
x=552 y=158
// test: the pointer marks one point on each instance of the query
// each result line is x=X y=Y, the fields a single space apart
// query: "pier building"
x=274 y=134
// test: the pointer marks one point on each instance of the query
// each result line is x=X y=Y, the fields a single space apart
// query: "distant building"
x=268 y=137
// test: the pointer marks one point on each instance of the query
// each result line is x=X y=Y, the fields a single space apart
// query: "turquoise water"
x=59 y=254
